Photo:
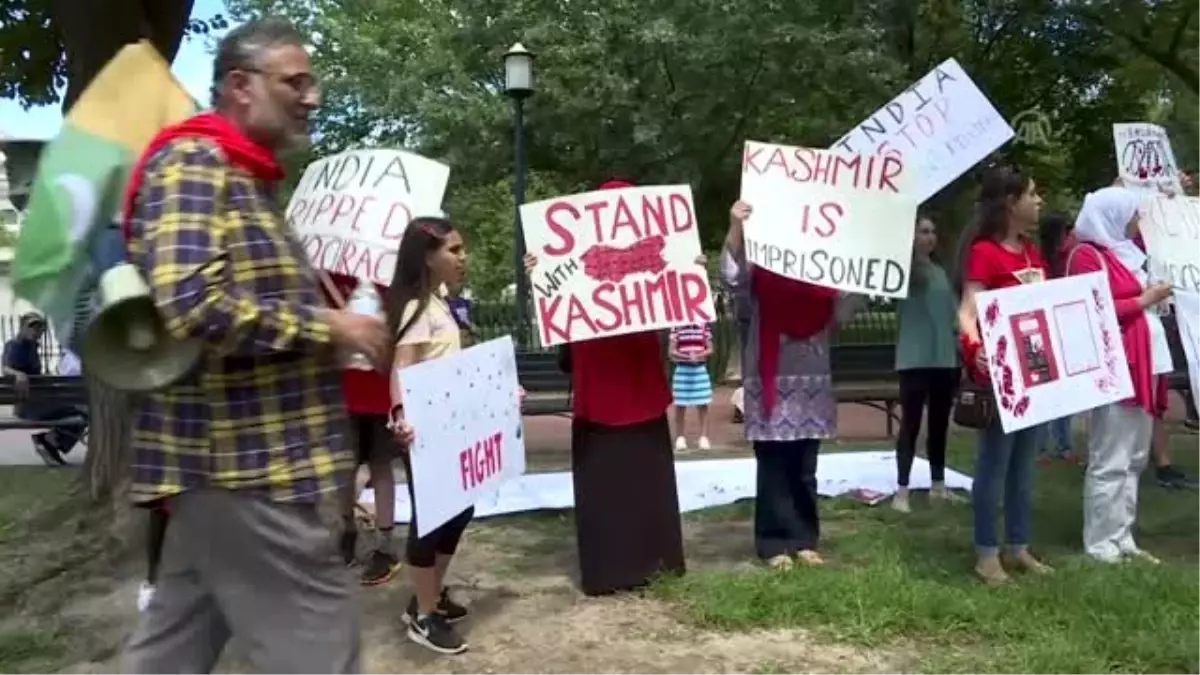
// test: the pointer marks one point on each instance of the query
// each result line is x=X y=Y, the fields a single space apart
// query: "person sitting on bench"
x=22 y=358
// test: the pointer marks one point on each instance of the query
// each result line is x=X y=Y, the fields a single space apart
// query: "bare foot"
x=989 y=569
x=1025 y=560
x=780 y=563
x=900 y=501
x=810 y=557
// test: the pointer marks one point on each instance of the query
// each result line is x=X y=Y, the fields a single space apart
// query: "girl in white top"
x=432 y=256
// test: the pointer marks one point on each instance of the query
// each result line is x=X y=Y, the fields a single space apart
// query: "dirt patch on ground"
x=527 y=616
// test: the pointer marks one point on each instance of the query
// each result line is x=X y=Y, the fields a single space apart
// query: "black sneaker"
x=49 y=454
x=1170 y=477
x=380 y=567
x=349 y=545
x=433 y=632
x=449 y=610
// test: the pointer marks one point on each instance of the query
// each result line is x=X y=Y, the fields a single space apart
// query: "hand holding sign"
x=828 y=218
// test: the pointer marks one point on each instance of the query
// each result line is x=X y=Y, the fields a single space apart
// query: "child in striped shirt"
x=691 y=386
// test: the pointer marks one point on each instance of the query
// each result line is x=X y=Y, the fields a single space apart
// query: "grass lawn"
x=904 y=582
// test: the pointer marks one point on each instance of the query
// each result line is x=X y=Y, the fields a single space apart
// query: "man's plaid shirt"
x=264 y=410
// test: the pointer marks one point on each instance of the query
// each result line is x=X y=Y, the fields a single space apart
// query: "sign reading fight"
x=1145 y=160
x=350 y=210
x=1170 y=226
x=466 y=417
x=940 y=126
x=831 y=219
x=612 y=262
x=1053 y=348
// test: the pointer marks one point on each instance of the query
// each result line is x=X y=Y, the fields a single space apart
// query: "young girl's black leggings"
x=921 y=388
x=444 y=540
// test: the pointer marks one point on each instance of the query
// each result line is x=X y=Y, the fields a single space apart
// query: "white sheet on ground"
x=703 y=483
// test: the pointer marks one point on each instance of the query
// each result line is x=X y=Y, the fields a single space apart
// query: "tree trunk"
x=93 y=31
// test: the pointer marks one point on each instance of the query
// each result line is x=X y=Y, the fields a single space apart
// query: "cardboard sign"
x=1170 y=227
x=1054 y=349
x=613 y=262
x=1187 y=316
x=350 y=210
x=941 y=126
x=466 y=418
x=1145 y=160
x=831 y=219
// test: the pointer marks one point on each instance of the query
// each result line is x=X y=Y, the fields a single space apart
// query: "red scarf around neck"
x=256 y=159
x=785 y=307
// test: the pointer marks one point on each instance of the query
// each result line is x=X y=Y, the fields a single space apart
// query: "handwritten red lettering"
x=616 y=218
x=481 y=461
x=667 y=297
x=808 y=165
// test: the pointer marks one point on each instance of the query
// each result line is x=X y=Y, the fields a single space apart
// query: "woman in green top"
x=927 y=362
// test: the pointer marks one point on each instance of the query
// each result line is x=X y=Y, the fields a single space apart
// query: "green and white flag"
x=81 y=177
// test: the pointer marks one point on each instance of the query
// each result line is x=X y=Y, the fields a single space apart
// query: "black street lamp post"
x=518 y=84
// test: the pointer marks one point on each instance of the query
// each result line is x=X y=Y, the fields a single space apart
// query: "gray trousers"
x=1118 y=448
x=268 y=575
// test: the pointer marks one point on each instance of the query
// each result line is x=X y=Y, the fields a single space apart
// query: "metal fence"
x=874 y=325
x=52 y=351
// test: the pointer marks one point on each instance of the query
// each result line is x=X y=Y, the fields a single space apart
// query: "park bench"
x=866 y=374
x=46 y=389
x=547 y=389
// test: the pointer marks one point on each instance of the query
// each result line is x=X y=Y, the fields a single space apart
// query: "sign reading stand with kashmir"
x=350 y=210
x=1053 y=348
x=612 y=262
x=830 y=219
x=466 y=416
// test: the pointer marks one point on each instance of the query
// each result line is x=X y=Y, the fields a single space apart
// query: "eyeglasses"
x=301 y=83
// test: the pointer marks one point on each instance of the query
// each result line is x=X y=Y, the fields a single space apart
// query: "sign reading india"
x=1170 y=226
x=831 y=219
x=350 y=210
x=612 y=262
x=941 y=126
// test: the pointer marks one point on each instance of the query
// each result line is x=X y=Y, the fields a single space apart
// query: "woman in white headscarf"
x=1119 y=433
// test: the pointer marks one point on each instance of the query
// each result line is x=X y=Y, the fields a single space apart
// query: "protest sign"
x=1187 y=317
x=1170 y=227
x=941 y=126
x=831 y=219
x=612 y=262
x=1145 y=160
x=350 y=210
x=466 y=419
x=1054 y=349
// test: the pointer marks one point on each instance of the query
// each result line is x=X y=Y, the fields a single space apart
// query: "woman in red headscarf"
x=788 y=397
x=623 y=468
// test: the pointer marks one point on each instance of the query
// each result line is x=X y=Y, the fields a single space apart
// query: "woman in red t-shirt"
x=996 y=252
x=368 y=400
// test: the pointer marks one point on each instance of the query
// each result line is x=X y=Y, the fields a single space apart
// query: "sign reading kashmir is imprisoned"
x=612 y=262
x=942 y=125
x=835 y=220
x=350 y=210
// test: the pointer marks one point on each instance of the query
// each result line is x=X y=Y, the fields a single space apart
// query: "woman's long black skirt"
x=626 y=504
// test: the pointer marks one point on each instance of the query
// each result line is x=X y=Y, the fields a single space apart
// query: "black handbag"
x=974 y=405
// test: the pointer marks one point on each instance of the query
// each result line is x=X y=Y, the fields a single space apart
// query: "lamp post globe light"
x=518 y=84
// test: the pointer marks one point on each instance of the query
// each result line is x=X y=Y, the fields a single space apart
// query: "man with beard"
x=246 y=449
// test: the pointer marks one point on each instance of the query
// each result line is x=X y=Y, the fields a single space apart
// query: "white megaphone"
x=126 y=345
